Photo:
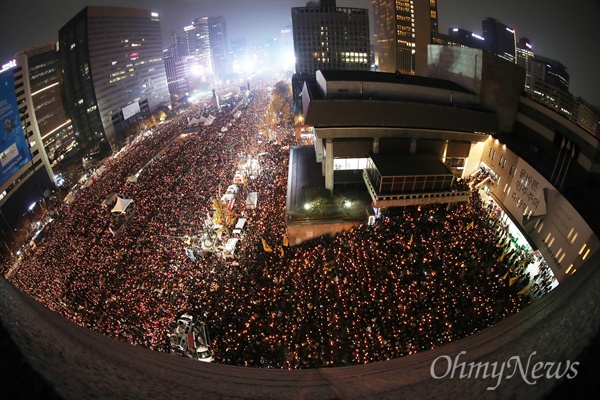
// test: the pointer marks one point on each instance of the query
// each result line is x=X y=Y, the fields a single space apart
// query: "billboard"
x=527 y=194
x=130 y=110
x=14 y=152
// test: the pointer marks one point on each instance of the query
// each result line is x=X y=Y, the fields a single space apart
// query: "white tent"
x=209 y=120
x=196 y=121
x=252 y=200
x=121 y=205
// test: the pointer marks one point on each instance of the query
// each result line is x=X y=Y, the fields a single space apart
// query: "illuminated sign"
x=14 y=153
x=130 y=110
x=188 y=28
x=477 y=36
x=8 y=65
x=455 y=29
x=154 y=14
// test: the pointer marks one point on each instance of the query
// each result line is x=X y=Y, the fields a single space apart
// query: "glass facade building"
x=327 y=37
x=500 y=39
x=52 y=126
x=112 y=61
x=219 y=45
x=192 y=42
x=403 y=29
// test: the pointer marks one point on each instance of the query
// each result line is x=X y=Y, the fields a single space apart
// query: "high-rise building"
x=111 y=80
x=181 y=41
x=327 y=37
x=177 y=76
x=193 y=42
x=403 y=29
x=525 y=55
x=500 y=39
x=219 y=45
x=466 y=38
x=550 y=71
x=547 y=82
x=25 y=172
x=238 y=54
x=51 y=126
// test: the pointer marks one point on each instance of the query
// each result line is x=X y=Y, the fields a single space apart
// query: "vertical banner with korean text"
x=14 y=153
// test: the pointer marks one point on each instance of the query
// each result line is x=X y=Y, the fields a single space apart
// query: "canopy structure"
x=121 y=205
x=109 y=199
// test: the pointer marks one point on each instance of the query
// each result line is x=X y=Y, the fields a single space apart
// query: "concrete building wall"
x=552 y=224
x=301 y=232
x=497 y=82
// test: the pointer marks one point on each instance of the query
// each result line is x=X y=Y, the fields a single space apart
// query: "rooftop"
x=409 y=164
x=393 y=78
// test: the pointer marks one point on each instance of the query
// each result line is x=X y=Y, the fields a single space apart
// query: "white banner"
x=527 y=191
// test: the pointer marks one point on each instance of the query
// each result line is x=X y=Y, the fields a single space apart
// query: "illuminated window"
x=574 y=237
x=586 y=254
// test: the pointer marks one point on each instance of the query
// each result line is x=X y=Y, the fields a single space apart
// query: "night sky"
x=564 y=30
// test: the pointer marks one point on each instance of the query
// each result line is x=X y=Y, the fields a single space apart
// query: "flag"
x=411 y=239
x=281 y=252
x=286 y=241
x=190 y=254
x=501 y=257
x=191 y=341
x=505 y=275
x=512 y=280
x=525 y=289
x=470 y=225
x=267 y=248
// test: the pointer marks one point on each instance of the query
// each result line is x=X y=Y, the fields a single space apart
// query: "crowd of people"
x=419 y=278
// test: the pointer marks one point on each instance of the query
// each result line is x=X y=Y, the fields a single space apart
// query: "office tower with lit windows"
x=550 y=71
x=403 y=29
x=525 y=56
x=192 y=42
x=219 y=45
x=327 y=37
x=114 y=72
x=177 y=76
x=51 y=126
x=500 y=39
x=547 y=82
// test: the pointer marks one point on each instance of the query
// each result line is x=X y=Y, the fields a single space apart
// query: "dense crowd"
x=419 y=278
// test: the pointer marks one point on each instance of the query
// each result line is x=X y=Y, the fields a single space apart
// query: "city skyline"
x=560 y=33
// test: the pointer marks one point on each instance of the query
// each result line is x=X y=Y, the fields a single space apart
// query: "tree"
x=281 y=104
